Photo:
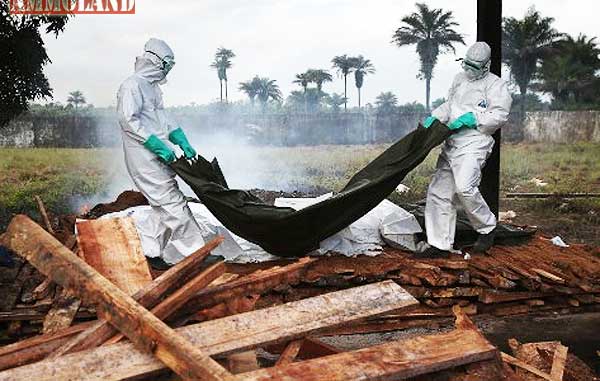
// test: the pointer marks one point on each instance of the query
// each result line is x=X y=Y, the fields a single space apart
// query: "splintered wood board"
x=227 y=335
x=112 y=247
x=390 y=361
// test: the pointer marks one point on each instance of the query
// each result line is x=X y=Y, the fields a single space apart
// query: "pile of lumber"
x=534 y=277
x=130 y=338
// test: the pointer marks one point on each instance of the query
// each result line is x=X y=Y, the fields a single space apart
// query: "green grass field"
x=61 y=175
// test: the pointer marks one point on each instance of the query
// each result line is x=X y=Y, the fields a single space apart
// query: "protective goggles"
x=467 y=64
x=167 y=63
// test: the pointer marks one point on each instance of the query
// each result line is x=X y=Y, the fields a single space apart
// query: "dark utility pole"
x=489 y=29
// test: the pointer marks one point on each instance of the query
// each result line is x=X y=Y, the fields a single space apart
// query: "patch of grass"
x=56 y=175
x=60 y=175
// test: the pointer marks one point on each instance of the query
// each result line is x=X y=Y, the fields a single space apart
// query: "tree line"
x=539 y=58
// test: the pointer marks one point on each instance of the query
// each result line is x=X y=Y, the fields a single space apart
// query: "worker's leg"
x=440 y=214
x=170 y=230
x=467 y=177
x=181 y=235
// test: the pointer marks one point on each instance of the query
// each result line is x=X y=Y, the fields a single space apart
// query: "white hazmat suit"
x=171 y=231
x=458 y=170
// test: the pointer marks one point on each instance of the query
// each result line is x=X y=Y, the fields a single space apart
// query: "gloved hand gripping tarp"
x=286 y=232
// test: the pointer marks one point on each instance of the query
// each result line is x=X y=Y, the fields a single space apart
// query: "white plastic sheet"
x=386 y=223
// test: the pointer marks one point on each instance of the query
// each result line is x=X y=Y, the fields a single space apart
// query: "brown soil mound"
x=125 y=200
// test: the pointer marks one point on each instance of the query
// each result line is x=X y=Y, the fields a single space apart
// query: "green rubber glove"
x=160 y=149
x=178 y=137
x=429 y=121
x=465 y=120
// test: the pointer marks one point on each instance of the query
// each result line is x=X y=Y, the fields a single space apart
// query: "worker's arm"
x=130 y=103
x=496 y=114
x=442 y=112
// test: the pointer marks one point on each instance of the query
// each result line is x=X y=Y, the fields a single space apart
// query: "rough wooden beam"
x=523 y=365
x=289 y=353
x=558 y=362
x=112 y=247
x=161 y=285
x=171 y=304
x=224 y=336
x=146 y=331
x=62 y=313
x=252 y=284
x=37 y=347
x=148 y=297
x=396 y=360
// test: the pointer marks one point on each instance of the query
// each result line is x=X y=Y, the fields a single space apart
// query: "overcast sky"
x=273 y=38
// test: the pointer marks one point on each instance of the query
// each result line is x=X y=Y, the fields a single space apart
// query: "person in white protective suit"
x=478 y=103
x=170 y=233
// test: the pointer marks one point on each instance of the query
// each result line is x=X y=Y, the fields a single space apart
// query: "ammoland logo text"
x=69 y=7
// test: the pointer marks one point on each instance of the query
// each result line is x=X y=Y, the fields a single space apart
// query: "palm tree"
x=570 y=70
x=335 y=100
x=303 y=80
x=221 y=63
x=431 y=30
x=386 y=102
x=251 y=88
x=268 y=89
x=318 y=77
x=76 y=98
x=344 y=66
x=524 y=43
x=362 y=67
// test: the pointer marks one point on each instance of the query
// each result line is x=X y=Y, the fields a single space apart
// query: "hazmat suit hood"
x=476 y=63
x=151 y=65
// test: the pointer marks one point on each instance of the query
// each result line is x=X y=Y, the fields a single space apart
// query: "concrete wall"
x=562 y=126
x=273 y=129
x=292 y=129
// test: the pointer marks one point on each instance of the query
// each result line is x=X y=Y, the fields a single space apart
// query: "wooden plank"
x=37 y=347
x=558 y=362
x=523 y=365
x=396 y=360
x=227 y=335
x=171 y=304
x=112 y=246
x=148 y=297
x=548 y=275
x=173 y=277
x=62 y=313
x=255 y=283
x=145 y=330
x=289 y=353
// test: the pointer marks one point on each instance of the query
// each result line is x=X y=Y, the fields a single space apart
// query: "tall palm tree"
x=76 y=98
x=251 y=88
x=303 y=80
x=524 y=43
x=221 y=63
x=318 y=77
x=268 y=89
x=432 y=31
x=344 y=66
x=362 y=67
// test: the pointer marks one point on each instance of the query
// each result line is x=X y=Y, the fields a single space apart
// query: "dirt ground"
x=573 y=220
